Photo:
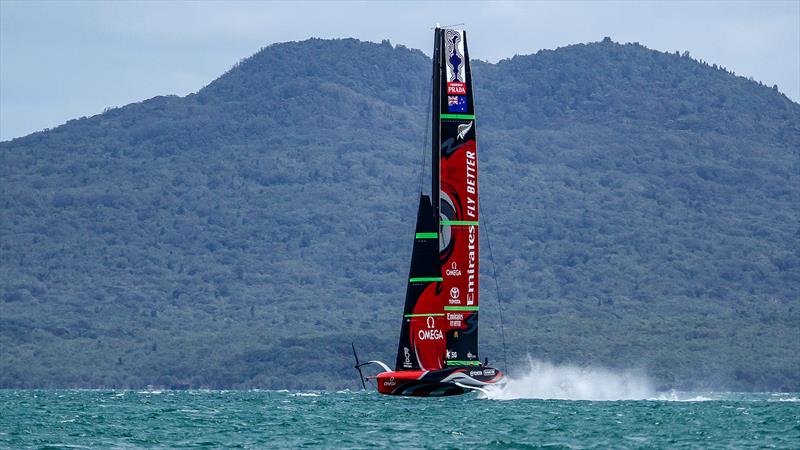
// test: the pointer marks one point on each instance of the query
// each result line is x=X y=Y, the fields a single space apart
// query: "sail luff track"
x=436 y=109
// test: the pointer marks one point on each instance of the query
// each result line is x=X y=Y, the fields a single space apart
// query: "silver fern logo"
x=463 y=129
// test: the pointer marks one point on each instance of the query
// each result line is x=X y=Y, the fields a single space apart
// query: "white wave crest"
x=543 y=380
x=677 y=396
x=304 y=394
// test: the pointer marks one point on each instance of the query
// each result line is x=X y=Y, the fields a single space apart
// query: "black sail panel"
x=423 y=278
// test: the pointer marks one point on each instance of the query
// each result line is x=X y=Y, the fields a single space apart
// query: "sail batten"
x=459 y=222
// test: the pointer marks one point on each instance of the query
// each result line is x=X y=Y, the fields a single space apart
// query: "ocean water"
x=267 y=419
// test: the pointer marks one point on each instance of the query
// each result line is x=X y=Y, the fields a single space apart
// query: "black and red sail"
x=440 y=320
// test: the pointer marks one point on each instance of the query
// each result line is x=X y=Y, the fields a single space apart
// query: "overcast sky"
x=61 y=60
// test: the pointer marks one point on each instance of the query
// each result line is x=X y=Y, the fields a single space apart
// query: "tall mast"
x=436 y=109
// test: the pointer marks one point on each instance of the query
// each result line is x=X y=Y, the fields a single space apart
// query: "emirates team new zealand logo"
x=454 y=58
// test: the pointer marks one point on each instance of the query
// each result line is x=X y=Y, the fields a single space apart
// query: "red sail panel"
x=459 y=178
x=460 y=275
x=459 y=253
x=427 y=329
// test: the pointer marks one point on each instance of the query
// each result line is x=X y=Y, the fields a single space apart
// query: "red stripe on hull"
x=436 y=383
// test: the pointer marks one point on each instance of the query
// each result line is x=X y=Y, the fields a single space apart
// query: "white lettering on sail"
x=471 y=275
x=453 y=270
x=430 y=334
x=472 y=181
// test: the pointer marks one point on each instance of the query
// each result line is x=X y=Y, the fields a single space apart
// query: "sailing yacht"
x=438 y=350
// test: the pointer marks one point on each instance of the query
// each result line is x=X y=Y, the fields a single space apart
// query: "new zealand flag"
x=457 y=103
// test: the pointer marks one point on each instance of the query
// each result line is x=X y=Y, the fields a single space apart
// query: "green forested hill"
x=642 y=206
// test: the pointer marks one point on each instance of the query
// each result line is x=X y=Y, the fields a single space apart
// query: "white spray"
x=543 y=380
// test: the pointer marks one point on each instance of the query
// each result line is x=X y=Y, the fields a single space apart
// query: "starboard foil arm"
x=358 y=366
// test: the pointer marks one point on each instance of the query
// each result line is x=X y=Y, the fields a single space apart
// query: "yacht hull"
x=438 y=383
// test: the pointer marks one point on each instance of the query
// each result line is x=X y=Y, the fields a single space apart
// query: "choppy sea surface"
x=261 y=419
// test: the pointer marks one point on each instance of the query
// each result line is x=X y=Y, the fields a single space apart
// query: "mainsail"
x=440 y=320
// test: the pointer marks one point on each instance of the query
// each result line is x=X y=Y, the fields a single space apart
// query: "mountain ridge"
x=640 y=204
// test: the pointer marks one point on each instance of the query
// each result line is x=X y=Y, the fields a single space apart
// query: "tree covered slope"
x=642 y=207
